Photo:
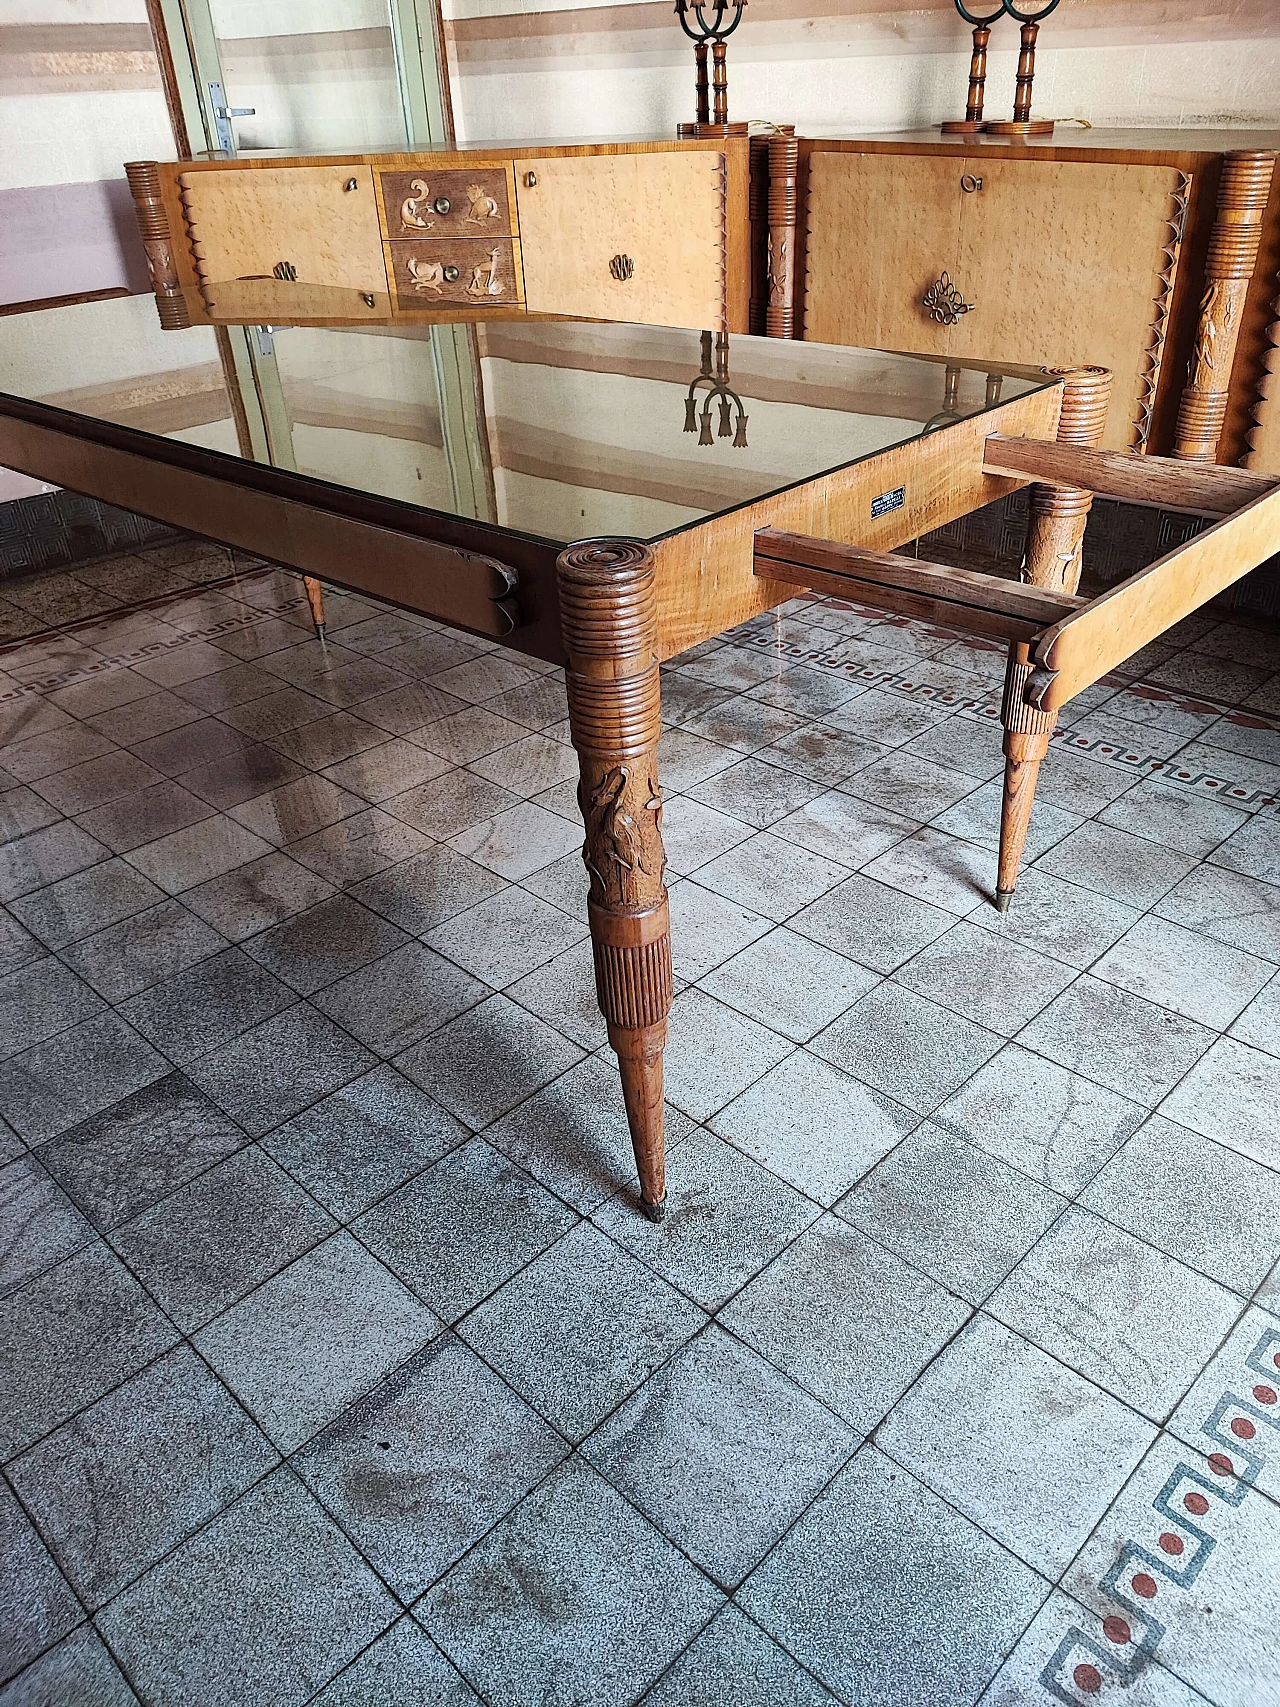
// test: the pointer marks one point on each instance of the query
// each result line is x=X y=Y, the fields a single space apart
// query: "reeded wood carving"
x=1026 y=741
x=608 y=614
x=784 y=154
x=1233 y=254
x=157 y=241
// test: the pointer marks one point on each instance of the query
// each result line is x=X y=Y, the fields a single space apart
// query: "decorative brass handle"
x=968 y=183
x=622 y=267
x=944 y=302
x=451 y=275
x=442 y=204
x=285 y=270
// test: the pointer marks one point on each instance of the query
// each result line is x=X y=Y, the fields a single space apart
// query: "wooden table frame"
x=611 y=610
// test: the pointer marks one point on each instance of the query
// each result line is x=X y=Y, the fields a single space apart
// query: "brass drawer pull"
x=285 y=270
x=451 y=275
x=530 y=179
x=969 y=183
x=943 y=301
x=442 y=204
x=622 y=267
x=352 y=184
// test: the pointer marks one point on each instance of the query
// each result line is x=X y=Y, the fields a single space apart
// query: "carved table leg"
x=608 y=615
x=1055 y=533
x=315 y=598
x=784 y=154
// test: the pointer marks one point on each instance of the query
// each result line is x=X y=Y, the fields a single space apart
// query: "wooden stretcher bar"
x=1159 y=481
x=961 y=598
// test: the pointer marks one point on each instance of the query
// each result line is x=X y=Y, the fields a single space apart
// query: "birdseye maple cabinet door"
x=637 y=237
x=1068 y=263
x=317 y=225
x=880 y=229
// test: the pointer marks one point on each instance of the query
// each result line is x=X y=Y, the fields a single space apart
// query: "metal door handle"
x=235 y=112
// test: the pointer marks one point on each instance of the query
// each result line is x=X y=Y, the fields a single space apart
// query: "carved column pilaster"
x=157 y=241
x=1055 y=532
x=784 y=156
x=608 y=614
x=1228 y=267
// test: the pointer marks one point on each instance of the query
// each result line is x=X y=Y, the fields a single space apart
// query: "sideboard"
x=656 y=233
x=1152 y=253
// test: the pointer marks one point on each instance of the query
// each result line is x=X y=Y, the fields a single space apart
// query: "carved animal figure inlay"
x=427 y=276
x=483 y=205
x=409 y=214
x=484 y=279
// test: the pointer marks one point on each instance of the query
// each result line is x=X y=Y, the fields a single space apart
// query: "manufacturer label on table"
x=888 y=501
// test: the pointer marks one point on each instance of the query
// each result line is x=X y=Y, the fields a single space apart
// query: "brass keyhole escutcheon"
x=285 y=270
x=442 y=204
x=368 y=298
x=622 y=267
x=352 y=184
x=944 y=302
x=969 y=183
x=451 y=275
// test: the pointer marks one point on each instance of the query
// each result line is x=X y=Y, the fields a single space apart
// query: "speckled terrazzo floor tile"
x=580 y=1328
x=1196 y=976
x=905 y=1046
x=929 y=1619
x=315 y=1337
x=274 y=1071
x=989 y=979
x=1229 y=907
x=963 y=1216
x=707 y=928
x=1053 y=1125
x=130 y=1477
x=68 y=1336
x=456 y=1232
x=1259 y=1024
x=721 y=1452
x=1130 y=1045
x=263 y=1606
x=39 y=1607
x=1156 y=1187
x=1131 y=1319
x=62 y=1081
x=420 y=1468
x=78 y=1669
x=1026 y=1448
x=734 y=1659
x=574 y=1598
x=404 y=1668
x=39 y=1225
x=39 y=1000
x=726 y=1217
x=881 y=1321
x=871 y=923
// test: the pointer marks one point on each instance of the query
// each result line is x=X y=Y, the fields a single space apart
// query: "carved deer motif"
x=484 y=279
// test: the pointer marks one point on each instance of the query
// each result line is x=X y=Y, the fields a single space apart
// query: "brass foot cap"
x=1003 y=898
x=655 y=1211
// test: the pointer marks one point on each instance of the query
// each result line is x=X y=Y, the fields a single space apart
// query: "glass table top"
x=560 y=430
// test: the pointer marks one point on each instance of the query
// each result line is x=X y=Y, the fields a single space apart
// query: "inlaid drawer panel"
x=473 y=202
x=457 y=270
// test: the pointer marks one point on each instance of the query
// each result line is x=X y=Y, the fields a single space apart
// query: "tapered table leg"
x=315 y=598
x=1055 y=534
x=608 y=615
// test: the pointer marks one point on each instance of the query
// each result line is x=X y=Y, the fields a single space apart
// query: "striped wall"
x=80 y=93
x=571 y=68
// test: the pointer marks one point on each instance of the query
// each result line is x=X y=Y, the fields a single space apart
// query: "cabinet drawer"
x=317 y=223
x=625 y=237
x=458 y=270
x=474 y=201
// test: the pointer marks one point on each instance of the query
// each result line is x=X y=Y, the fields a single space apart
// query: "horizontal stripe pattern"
x=67 y=59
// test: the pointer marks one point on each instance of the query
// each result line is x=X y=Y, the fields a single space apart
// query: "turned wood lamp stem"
x=710 y=33
x=971 y=123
